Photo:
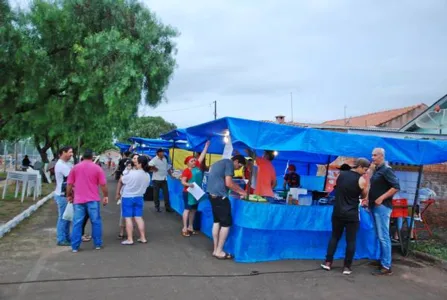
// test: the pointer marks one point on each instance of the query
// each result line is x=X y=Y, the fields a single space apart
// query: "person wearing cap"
x=220 y=181
x=85 y=177
x=192 y=174
x=350 y=187
x=161 y=169
x=292 y=179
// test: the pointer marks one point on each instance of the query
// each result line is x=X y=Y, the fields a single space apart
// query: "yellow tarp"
x=180 y=155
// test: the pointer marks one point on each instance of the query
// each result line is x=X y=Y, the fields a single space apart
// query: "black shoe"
x=157 y=209
x=383 y=272
x=169 y=210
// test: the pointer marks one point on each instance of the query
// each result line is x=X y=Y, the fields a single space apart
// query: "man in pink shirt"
x=86 y=177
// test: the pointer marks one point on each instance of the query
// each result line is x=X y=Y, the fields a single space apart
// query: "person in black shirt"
x=26 y=163
x=292 y=179
x=122 y=165
x=384 y=185
x=349 y=188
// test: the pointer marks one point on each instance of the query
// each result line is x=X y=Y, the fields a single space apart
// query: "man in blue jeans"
x=61 y=171
x=85 y=179
x=384 y=185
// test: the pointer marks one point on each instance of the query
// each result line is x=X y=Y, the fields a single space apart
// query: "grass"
x=435 y=247
x=10 y=206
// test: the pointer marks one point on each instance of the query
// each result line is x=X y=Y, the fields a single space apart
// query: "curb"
x=22 y=216
x=431 y=259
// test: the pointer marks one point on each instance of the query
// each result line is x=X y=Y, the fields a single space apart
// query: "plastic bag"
x=68 y=213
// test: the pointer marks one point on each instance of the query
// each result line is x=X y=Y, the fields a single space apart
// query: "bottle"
x=290 y=199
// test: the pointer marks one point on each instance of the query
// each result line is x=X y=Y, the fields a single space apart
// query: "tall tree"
x=147 y=127
x=99 y=57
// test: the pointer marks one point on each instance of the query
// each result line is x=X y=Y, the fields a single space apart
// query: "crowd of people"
x=80 y=185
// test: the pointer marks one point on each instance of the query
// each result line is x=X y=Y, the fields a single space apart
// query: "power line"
x=251 y=274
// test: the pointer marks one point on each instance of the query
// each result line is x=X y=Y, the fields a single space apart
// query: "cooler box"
x=399 y=212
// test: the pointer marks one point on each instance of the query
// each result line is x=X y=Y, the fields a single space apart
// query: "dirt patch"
x=31 y=236
x=11 y=207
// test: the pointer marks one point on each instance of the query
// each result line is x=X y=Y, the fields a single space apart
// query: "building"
x=395 y=118
x=432 y=120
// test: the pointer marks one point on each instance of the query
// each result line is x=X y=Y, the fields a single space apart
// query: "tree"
x=98 y=58
x=147 y=127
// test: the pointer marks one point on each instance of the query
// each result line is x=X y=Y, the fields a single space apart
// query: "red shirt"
x=188 y=174
x=266 y=175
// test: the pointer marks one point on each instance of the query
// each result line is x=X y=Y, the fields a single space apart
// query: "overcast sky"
x=249 y=55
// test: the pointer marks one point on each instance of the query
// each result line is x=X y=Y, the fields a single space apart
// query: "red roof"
x=375 y=119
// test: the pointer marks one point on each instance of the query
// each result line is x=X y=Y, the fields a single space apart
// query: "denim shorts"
x=132 y=207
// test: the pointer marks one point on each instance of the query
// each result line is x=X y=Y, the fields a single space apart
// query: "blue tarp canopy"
x=145 y=143
x=123 y=147
x=175 y=135
x=311 y=145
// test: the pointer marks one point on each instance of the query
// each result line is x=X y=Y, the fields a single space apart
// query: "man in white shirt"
x=61 y=170
x=161 y=169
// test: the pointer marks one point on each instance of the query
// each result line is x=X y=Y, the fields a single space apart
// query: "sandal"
x=86 y=238
x=193 y=232
x=226 y=256
x=186 y=233
x=141 y=241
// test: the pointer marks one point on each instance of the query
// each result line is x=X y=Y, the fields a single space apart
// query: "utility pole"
x=291 y=104
x=215 y=110
x=346 y=121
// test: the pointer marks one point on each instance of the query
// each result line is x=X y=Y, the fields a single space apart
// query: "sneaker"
x=157 y=209
x=383 y=272
x=326 y=266
x=347 y=271
x=169 y=210
x=126 y=243
x=74 y=251
x=64 y=244
x=98 y=248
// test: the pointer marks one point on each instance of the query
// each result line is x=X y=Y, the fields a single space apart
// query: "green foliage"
x=147 y=127
x=77 y=69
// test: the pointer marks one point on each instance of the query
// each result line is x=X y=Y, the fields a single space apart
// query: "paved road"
x=173 y=267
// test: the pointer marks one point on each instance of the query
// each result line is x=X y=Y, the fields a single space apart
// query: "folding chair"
x=425 y=204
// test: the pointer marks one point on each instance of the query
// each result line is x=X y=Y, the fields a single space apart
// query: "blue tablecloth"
x=268 y=232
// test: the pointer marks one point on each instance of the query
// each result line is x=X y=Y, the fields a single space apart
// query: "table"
x=25 y=178
x=269 y=232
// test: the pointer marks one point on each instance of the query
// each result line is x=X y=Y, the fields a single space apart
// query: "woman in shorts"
x=135 y=184
x=192 y=174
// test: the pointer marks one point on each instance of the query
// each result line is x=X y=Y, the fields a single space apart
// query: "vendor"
x=292 y=179
x=266 y=177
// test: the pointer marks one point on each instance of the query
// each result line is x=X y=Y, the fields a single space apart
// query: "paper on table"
x=196 y=191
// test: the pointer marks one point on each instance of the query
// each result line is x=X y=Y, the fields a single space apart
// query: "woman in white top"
x=135 y=184
x=129 y=165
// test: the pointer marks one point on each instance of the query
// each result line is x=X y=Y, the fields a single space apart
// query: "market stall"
x=265 y=231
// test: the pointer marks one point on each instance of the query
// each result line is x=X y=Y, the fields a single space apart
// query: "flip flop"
x=193 y=232
x=186 y=234
x=141 y=241
x=127 y=243
x=86 y=239
x=226 y=256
